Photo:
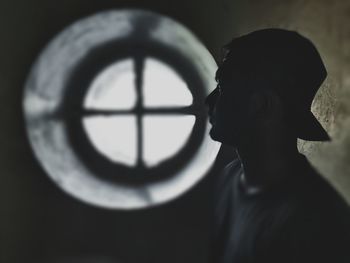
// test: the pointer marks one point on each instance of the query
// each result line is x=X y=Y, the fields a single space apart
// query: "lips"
x=211 y=121
x=210 y=115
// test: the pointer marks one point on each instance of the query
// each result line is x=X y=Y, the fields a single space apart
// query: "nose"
x=211 y=98
x=210 y=101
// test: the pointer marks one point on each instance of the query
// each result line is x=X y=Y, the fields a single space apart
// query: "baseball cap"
x=288 y=63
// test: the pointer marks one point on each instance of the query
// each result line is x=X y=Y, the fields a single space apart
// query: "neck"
x=266 y=162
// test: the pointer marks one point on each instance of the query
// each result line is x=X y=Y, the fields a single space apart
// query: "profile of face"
x=230 y=110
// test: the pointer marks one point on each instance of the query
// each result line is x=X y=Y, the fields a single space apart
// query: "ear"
x=258 y=104
x=266 y=105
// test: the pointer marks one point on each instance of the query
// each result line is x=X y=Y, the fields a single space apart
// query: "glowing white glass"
x=113 y=88
x=165 y=136
x=47 y=87
x=114 y=137
x=163 y=87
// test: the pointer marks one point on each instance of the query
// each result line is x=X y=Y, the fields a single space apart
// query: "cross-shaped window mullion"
x=139 y=71
x=140 y=110
x=188 y=110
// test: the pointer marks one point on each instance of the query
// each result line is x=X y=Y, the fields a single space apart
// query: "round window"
x=114 y=109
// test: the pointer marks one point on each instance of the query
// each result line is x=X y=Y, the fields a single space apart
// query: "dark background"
x=40 y=223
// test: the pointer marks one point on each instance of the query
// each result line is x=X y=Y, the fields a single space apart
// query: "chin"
x=221 y=137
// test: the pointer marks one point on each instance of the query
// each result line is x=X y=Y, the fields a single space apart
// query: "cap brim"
x=310 y=129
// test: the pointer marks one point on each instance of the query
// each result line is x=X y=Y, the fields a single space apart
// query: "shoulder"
x=231 y=170
x=318 y=236
x=313 y=190
x=320 y=204
x=315 y=231
x=321 y=222
x=225 y=181
x=319 y=195
x=224 y=186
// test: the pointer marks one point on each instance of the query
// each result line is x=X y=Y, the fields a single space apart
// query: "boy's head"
x=257 y=67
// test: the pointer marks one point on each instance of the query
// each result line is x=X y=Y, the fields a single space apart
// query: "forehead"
x=218 y=75
x=223 y=73
x=228 y=72
x=235 y=79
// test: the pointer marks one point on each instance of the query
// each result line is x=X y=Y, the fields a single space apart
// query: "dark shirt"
x=301 y=220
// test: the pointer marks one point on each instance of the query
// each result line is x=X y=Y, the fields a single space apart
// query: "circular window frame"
x=54 y=70
x=77 y=89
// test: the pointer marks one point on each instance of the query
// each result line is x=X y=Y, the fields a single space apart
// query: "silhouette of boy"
x=271 y=205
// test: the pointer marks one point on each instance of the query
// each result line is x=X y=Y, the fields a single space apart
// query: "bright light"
x=114 y=137
x=113 y=133
x=163 y=86
x=113 y=88
x=165 y=136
